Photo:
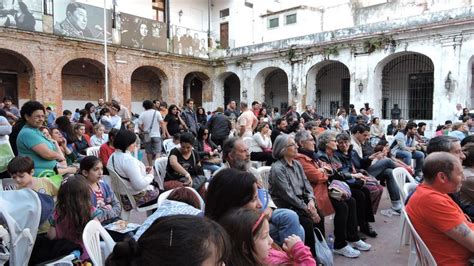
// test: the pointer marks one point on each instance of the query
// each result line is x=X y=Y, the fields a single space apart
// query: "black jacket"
x=219 y=126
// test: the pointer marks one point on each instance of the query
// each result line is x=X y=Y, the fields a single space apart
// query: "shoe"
x=348 y=252
x=368 y=230
x=362 y=236
x=396 y=212
x=361 y=245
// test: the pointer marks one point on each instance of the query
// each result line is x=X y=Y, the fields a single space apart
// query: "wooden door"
x=224 y=35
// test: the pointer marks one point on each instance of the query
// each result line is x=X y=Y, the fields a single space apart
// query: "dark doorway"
x=420 y=96
x=8 y=86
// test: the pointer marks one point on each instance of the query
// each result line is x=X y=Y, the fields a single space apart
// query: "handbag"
x=146 y=134
x=323 y=252
x=6 y=154
x=339 y=190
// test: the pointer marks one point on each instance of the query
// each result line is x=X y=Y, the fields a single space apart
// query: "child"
x=102 y=196
x=99 y=137
x=252 y=244
x=21 y=170
x=73 y=211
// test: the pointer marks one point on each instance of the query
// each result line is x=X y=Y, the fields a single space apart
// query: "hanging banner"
x=24 y=15
x=143 y=33
x=189 y=42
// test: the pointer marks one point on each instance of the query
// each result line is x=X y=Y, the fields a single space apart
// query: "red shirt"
x=104 y=153
x=433 y=214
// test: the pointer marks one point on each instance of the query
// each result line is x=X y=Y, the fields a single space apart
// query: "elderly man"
x=439 y=221
x=283 y=222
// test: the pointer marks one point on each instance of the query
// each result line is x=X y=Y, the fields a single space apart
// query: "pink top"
x=298 y=255
x=207 y=147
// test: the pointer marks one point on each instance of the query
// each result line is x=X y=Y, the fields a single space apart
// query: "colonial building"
x=417 y=54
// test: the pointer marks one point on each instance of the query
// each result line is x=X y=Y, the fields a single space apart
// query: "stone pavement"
x=384 y=246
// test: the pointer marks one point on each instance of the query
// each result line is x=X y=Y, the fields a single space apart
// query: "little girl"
x=99 y=137
x=252 y=245
x=73 y=211
x=102 y=197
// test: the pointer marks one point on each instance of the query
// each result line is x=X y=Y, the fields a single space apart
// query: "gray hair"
x=343 y=136
x=324 y=139
x=228 y=147
x=302 y=135
x=441 y=143
x=279 y=146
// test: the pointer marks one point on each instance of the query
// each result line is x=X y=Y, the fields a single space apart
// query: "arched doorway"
x=407 y=81
x=272 y=82
x=231 y=88
x=82 y=82
x=193 y=87
x=330 y=83
x=16 y=77
x=147 y=84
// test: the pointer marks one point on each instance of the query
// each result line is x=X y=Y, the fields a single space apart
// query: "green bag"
x=6 y=155
x=53 y=176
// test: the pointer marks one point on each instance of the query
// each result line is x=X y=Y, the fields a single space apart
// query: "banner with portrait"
x=142 y=33
x=78 y=20
x=22 y=14
x=189 y=42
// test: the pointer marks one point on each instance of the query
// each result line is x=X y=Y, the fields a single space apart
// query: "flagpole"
x=105 y=55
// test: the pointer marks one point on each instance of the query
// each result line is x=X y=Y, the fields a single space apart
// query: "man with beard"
x=281 y=127
x=283 y=222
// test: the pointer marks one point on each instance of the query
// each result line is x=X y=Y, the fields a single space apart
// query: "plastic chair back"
x=401 y=175
x=422 y=251
x=264 y=173
x=91 y=238
x=93 y=151
x=166 y=194
x=160 y=168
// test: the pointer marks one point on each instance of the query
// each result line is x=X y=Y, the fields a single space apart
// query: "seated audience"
x=99 y=136
x=107 y=148
x=81 y=144
x=466 y=195
x=184 y=167
x=102 y=196
x=406 y=147
x=207 y=151
x=261 y=144
x=138 y=178
x=32 y=143
x=439 y=221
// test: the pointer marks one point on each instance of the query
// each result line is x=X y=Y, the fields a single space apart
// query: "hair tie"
x=171 y=237
x=259 y=220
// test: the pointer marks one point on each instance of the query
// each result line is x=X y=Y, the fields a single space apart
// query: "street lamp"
x=361 y=87
x=294 y=90
x=448 y=81
x=244 y=93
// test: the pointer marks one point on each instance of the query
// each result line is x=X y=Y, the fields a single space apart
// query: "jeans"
x=283 y=223
x=406 y=156
x=382 y=169
x=211 y=167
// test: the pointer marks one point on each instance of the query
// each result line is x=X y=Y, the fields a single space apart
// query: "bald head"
x=437 y=162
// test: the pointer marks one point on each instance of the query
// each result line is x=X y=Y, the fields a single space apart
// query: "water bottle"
x=330 y=241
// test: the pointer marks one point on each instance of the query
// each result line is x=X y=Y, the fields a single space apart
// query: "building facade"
x=416 y=54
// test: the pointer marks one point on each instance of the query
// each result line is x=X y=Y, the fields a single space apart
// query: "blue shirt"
x=27 y=139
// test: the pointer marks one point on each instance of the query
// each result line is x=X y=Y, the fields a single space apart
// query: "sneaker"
x=348 y=252
x=361 y=245
x=396 y=212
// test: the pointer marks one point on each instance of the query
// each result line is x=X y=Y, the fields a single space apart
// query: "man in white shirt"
x=458 y=112
x=150 y=122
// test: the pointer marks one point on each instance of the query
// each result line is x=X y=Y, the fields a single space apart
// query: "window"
x=290 y=19
x=48 y=7
x=273 y=23
x=224 y=13
x=248 y=4
x=159 y=10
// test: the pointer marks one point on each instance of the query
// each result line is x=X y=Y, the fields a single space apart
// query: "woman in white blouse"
x=261 y=144
x=138 y=178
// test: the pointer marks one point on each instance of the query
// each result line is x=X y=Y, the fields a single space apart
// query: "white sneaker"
x=361 y=245
x=348 y=251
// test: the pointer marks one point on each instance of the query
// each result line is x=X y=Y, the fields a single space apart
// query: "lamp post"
x=244 y=93
x=106 y=72
x=361 y=87
x=448 y=81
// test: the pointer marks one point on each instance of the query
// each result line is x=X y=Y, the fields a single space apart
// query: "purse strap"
x=113 y=164
x=152 y=121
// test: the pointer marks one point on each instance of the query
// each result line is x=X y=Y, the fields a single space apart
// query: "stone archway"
x=193 y=87
x=16 y=77
x=82 y=82
x=273 y=82
x=146 y=84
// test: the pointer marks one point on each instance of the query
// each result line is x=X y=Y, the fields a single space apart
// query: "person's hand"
x=189 y=181
x=268 y=212
x=358 y=176
x=148 y=169
x=290 y=241
x=60 y=157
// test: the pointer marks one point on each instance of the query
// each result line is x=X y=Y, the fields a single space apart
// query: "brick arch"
x=147 y=82
x=197 y=85
x=25 y=75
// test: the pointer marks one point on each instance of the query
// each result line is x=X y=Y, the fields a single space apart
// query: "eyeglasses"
x=291 y=145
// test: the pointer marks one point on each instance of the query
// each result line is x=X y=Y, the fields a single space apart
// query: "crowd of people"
x=219 y=205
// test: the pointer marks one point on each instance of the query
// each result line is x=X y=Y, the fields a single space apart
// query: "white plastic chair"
x=93 y=151
x=166 y=194
x=91 y=238
x=264 y=173
x=67 y=260
x=418 y=248
x=160 y=168
x=401 y=175
x=167 y=146
x=7 y=184
x=119 y=188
